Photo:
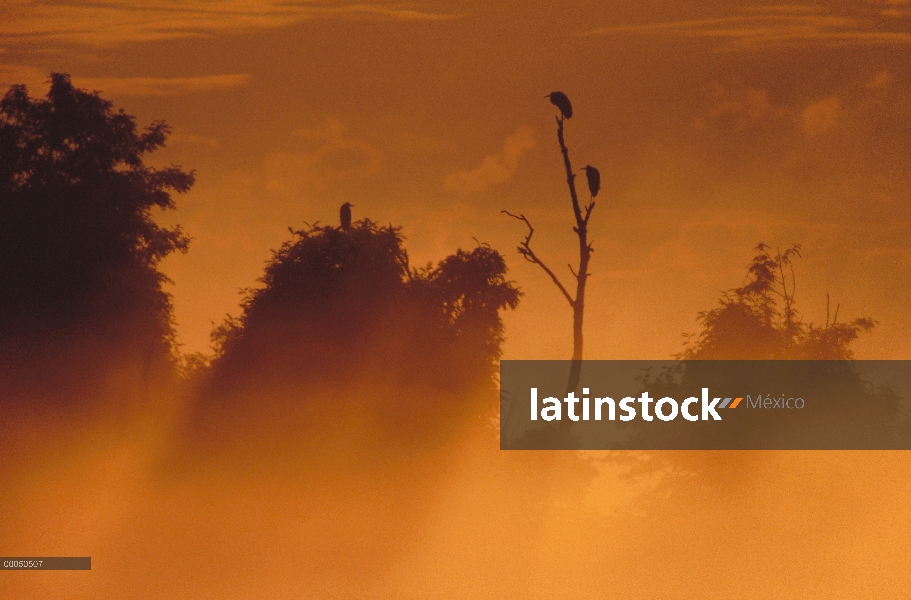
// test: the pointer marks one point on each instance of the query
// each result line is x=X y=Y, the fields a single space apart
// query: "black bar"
x=46 y=563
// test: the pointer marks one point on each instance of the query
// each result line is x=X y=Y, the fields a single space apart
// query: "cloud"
x=821 y=116
x=183 y=137
x=333 y=130
x=35 y=79
x=162 y=86
x=336 y=156
x=751 y=105
x=734 y=108
x=896 y=8
x=881 y=80
x=495 y=168
x=113 y=22
x=769 y=27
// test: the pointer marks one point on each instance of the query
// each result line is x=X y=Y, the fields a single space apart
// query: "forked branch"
x=529 y=254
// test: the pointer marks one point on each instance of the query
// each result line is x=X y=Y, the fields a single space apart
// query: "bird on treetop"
x=594 y=179
x=345 y=215
x=560 y=100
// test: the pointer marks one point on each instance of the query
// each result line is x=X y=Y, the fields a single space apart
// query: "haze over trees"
x=79 y=256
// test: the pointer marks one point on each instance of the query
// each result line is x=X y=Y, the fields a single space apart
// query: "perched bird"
x=594 y=179
x=345 y=215
x=560 y=100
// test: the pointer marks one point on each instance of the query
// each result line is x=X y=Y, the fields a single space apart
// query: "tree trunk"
x=581 y=230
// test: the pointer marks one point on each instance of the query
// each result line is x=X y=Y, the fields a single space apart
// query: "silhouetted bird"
x=594 y=179
x=345 y=215
x=560 y=100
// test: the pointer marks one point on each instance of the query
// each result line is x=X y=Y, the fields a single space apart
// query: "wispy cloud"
x=163 y=86
x=495 y=168
x=820 y=117
x=775 y=26
x=31 y=77
x=114 y=22
x=35 y=79
x=897 y=9
x=335 y=155
x=881 y=80
x=180 y=136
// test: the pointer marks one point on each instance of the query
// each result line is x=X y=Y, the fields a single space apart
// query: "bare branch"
x=570 y=177
x=793 y=281
x=406 y=265
x=526 y=251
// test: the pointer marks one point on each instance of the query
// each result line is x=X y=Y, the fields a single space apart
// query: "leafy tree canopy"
x=759 y=320
x=335 y=303
x=78 y=246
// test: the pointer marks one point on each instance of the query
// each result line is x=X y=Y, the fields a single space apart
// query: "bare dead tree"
x=581 y=274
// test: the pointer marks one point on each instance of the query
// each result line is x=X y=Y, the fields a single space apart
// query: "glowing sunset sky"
x=715 y=125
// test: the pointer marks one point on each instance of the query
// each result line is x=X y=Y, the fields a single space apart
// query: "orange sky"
x=714 y=125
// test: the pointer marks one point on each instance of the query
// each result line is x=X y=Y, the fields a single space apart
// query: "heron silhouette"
x=594 y=179
x=561 y=101
x=345 y=215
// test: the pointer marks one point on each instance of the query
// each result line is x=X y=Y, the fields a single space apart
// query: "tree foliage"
x=78 y=245
x=759 y=321
x=337 y=304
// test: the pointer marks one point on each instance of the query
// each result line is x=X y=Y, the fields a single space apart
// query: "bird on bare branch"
x=561 y=101
x=594 y=179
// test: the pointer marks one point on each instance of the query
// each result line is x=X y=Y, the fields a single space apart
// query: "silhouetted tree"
x=581 y=216
x=78 y=246
x=340 y=304
x=758 y=321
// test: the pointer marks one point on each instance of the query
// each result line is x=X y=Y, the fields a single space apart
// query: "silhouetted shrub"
x=336 y=305
x=759 y=321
